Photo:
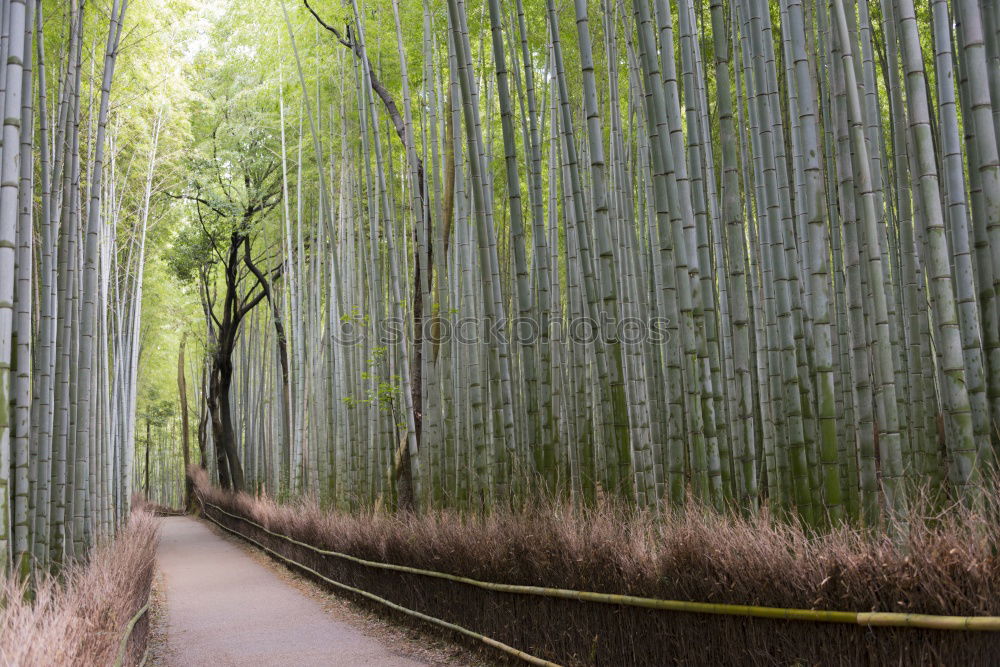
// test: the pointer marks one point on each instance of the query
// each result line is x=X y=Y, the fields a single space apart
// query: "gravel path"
x=225 y=608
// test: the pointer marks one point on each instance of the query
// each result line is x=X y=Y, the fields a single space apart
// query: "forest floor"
x=219 y=603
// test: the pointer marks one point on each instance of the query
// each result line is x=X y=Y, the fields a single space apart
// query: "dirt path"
x=225 y=608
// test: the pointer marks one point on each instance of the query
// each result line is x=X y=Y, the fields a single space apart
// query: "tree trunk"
x=182 y=393
x=230 y=468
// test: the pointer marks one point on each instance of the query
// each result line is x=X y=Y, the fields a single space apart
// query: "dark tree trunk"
x=203 y=424
x=185 y=428
x=230 y=468
x=221 y=462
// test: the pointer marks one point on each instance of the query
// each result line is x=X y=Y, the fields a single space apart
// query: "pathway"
x=224 y=608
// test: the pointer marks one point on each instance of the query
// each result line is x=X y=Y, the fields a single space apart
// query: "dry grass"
x=945 y=566
x=79 y=619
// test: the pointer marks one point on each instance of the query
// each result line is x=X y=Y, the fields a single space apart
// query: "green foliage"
x=190 y=250
x=170 y=310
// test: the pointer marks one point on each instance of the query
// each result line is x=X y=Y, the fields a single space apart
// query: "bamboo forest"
x=568 y=332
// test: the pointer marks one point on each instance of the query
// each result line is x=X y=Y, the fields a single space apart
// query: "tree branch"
x=196 y=198
x=329 y=27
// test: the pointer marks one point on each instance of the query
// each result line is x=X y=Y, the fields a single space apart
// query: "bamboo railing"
x=120 y=658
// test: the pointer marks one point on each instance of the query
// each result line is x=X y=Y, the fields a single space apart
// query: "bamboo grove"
x=745 y=251
x=72 y=241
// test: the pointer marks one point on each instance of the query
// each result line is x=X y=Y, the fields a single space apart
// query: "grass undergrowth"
x=79 y=618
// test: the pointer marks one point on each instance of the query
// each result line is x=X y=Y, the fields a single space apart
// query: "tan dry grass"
x=80 y=618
